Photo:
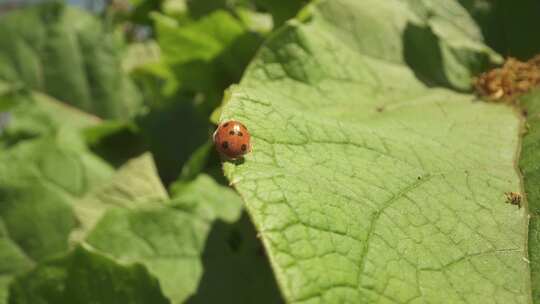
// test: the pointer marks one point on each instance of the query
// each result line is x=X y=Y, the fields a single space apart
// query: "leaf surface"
x=366 y=183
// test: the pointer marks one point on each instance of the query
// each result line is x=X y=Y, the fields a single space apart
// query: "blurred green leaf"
x=13 y=260
x=135 y=185
x=34 y=114
x=157 y=83
x=251 y=12
x=115 y=141
x=281 y=10
x=168 y=239
x=8 y=95
x=449 y=38
x=172 y=133
x=196 y=163
x=140 y=54
x=174 y=7
x=255 y=21
x=69 y=55
x=85 y=276
x=201 y=8
x=203 y=39
x=208 y=54
x=39 y=179
x=94 y=134
x=139 y=10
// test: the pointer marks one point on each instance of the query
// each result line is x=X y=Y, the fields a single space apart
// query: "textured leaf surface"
x=365 y=184
x=67 y=54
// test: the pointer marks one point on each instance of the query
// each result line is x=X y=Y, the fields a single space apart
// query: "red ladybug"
x=232 y=139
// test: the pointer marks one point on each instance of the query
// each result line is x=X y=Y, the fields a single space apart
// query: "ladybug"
x=232 y=139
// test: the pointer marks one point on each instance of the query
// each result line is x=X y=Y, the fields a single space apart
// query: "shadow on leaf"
x=423 y=54
x=236 y=269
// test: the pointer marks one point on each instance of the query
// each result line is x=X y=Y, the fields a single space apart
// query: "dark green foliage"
x=69 y=55
x=84 y=276
x=509 y=27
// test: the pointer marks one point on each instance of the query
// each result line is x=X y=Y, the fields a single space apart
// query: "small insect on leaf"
x=513 y=198
x=232 y=139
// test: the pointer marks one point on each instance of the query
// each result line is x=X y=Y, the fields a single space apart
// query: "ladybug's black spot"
x=244 y=147
x=226 y=124
x=225 y=145
x=240 y=134
x=231 y=132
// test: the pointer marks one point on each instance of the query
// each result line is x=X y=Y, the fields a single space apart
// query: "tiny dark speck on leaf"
x=419 y=178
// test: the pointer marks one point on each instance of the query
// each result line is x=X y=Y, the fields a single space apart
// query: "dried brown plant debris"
x=506 y=83
x=513 y=198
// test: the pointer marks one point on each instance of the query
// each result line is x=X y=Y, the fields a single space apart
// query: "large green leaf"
x=69 y=55
x=365 y=184
x=530 y=157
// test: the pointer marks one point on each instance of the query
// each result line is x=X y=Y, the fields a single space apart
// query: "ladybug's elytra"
x=232 y=139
